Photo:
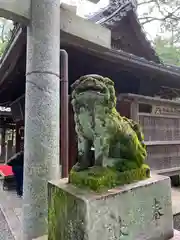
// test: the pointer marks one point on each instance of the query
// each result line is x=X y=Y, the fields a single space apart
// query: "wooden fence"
x=160 y=120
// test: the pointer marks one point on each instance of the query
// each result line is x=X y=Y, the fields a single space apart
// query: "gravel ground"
x=5 y=233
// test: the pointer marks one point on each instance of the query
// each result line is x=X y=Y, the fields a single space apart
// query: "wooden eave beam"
x=109 y=55
x=123 y=58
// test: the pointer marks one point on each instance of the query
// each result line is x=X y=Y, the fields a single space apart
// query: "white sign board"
x=5 y=109
x=16 y=10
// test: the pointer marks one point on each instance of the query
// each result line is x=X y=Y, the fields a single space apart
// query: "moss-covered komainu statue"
x=117 y=141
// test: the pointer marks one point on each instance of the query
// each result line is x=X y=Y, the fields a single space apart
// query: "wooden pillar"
x=134 y=110
x=3 y=144
x=72 y=139
x=124 y=108
x=19 y=139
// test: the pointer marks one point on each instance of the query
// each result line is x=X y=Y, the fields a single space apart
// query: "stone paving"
x=11 y=207
x=5 y=232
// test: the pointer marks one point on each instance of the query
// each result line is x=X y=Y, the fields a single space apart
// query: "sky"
x=85 y=7
x=153 y=28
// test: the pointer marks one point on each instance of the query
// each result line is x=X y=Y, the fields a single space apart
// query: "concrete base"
x=139 y=211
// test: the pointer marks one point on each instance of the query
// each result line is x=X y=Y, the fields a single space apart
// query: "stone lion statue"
x=117 y=141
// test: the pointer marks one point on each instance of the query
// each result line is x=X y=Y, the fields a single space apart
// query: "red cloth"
x=6 y=170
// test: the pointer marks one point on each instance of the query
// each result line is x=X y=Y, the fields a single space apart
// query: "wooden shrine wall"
x=160 y=120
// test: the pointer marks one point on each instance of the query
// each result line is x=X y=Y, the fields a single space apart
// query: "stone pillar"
x=41 y=161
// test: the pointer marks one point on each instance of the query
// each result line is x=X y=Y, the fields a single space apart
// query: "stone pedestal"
x=138 y=211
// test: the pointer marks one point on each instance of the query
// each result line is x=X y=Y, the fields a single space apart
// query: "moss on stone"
x=52 y=214
x=99 y=125
x=65 y=216
x=102 y=178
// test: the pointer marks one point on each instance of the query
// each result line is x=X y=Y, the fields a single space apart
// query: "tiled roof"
x=111 y=15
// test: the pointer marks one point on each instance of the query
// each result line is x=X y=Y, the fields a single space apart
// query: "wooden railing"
x=160 y=120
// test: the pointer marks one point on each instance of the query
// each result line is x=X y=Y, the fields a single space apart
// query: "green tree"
x=5 y=33
x=2 y=47
x=167 y=50
x=166 y=13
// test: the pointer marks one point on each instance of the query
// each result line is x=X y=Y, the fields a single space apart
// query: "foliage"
x=5 y=33
x=65 y=215
x=167 y=51
x=99 y=179
x=166 y=13
x=2 y=47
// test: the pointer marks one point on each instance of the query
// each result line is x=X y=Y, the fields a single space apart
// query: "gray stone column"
x=41 y=162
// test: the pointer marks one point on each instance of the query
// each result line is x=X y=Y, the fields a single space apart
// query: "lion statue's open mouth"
x=94 y=88
x=91 y=88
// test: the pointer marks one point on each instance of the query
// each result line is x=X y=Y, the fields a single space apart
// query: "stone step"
x=176 y=235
